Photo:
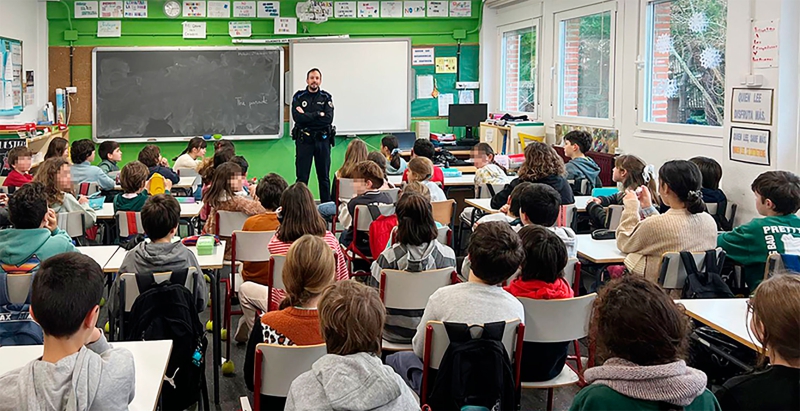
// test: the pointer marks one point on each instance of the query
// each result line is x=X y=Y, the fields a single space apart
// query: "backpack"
x=380 y=230
x=16 y=325
x=707 y=283
x=719 y=217
x=474 y=371
x=166 y=311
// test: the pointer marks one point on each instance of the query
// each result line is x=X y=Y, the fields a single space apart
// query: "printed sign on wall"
x=751 y=106
x=749 y=146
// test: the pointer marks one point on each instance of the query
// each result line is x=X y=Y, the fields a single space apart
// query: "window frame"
x=645 y=70
x=534 y=23
x=558 y=67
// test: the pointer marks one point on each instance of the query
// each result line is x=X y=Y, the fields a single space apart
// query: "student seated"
x=712 y=174
x=310 y=267
x=487 y=171
x=58 y=147
x=55 y=175
x=191 y=156
x=368 y=178
x=684 y=227
x=35 y=231
x=580 y=167
x=82 y=155
x=78 y=369
x=424 y=148
x=777 y=198
x=542 y=165
x=509 y=213
x=496 y=254
x=110 y=154
x=151 y=157
x=134 y=181
x=206 y=172
x=351 y=376
x=390 y=148
x=631 y=172
x=244 y=165
x=419 y=170
x=19 y=159
x=542 y=278
x=644 y=337
x=415 y=249
x=160 y=217
x=356 y=152
x=776 y=309
x=380 y=160
x=269 y=192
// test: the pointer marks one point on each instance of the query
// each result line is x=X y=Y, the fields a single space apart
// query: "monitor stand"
x=468 y=133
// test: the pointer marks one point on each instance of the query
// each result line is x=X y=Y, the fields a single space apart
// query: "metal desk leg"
x=216 y=332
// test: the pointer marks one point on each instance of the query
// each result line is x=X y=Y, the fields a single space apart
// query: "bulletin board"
x=446 y=82
x=11 y=98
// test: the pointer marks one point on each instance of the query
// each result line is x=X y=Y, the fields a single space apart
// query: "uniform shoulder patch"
x=330 y=103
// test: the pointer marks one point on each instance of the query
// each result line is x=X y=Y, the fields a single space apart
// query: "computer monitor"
x=405 y=140
x=467 y=115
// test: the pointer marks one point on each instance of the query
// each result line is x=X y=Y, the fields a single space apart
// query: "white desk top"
x=185 y=182
x=581 y=201
x=599 y=251
x=101 y=253
x=464 y=180
x=726 y=315
x=483 y=204
x=188 y=210
x=150 y=359
x=207 y=262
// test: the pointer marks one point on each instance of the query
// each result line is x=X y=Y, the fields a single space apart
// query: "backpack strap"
x=179 y=276
x=494 y=331
x=457 y=332
x=690 y=266
x=4 y=298
x=374 y=211
x=145 y=281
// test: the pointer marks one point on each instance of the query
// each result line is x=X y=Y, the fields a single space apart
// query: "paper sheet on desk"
x=424 y=87
x=445 y=100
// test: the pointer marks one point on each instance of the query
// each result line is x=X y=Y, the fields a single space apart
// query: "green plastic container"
x=205 y=245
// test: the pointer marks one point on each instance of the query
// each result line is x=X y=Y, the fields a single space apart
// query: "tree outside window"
x=519 y=70
x=585 y=66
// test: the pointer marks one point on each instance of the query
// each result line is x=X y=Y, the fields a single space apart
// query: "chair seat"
x=390 y=346
x=566 y=377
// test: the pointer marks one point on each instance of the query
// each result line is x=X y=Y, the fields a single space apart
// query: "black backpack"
x=707 y=283
x=474 y=371
x=166 y=311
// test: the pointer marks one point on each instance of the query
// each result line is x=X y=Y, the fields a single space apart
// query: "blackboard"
x=168 y=93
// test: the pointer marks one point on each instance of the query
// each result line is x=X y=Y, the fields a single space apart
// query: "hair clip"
x=648 y=172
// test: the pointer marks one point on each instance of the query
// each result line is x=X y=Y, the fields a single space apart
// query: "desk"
x=207 y=262
x=599 y=251
x=185 y=182
x=580 y=202
x=482 y=204
x=465 y=180
x=188 y=210
x=102 y=254
x=726 y=315
x=150 y=359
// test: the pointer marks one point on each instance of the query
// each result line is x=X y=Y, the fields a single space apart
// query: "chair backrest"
x=673 y=272
x=567 y=215
x=229 y=221
x=614 y=215
x=440 y=341
x=774 y=265
x=132 y=288
x=85 y=188
x=186 y=172
x=346 y=189
x=443 y=234
x=548 y=321
x=444 y=211
x=393 y=193
x=19 y=286
x=129 y=223
x=405 y=290
x=250 y=246
x=281 y=364
x=488 y=190
x=363 y=217
x=276 y=270
x=71 y=222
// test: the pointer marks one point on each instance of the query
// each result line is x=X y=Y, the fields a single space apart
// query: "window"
x=685 y=65
x=518 y=68
x=585 y=66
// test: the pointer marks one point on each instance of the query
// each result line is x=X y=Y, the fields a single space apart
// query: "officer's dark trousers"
x=320 y=152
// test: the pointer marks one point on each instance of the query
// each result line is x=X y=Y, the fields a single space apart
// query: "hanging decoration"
x=664 y=44
x=314 y=11
x=710 y=58
x=698 y=23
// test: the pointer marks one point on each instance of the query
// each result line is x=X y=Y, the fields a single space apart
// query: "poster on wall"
x=765 y=43
x=269 y=9
x=194 y=9
x=86 y=10
x=219 y=9
x=344 y=9
x=238 y=29
x=422 y=56
x=194 y=29
x=111 y=9
x=109 y=28
x=413 y=9
x=286 y=25
x=460 y=9
x=753 y=106
x=446 y=65
x=391 y=9
x=437 y=9
x=136 y=9
x=368 y=9
x=6 y=145
x=749 y=145
x=244 y=9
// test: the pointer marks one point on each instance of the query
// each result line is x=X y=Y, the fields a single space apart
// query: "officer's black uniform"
x=313 y=135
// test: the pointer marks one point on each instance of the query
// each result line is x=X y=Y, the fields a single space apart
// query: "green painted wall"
x=275 y=155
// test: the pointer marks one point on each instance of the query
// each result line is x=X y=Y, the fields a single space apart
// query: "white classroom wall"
x=26 y=20
x=637 y=137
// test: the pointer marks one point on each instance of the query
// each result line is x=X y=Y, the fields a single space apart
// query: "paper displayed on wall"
x=194 y=8
x=445 y=100
x=765 y=46
x=109 y=28
x=219 y=9
x=246 y=9
x=136 y=9
x=460 y=9
x=368 y=9
x=16 y=54
x=422 y=56
x=437 y=9
x=86 y=9
x=111 y=9
x=466 y=97
x=489 y=134
x=425 y=86
x=446 y=64
x=391 y=9
x=749 y=145
x=344 y=9
x=268 y=9
x=29 y=90
x=314 y=11
x=238 y=29
x=286 y=25
x=194 y=29
x=413 y=9
x=751 y=106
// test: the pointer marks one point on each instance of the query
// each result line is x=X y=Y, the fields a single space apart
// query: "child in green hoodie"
x=777 y=195
x=35 y=229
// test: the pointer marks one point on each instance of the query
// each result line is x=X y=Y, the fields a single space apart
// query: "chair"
x=73 y=223
x=405 y=290
x=673 y=272
x=19 y=287
x=488 y=190
x=776 y=264
x=443 y=234
x=128 y=223
x=85 y=189
x=275 y=279
x=278 y=365
x=393 y=193
x=226 y=222
x=437 y=341
x=566 y=216
x=361 y=222
x=549 y=321
x=580 y=186
x=730 y=213
x=444 y=212
x=343 y=190
x=614 y=216
x=186 y=172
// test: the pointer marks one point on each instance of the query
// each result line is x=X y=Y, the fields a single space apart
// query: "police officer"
x=312 y=111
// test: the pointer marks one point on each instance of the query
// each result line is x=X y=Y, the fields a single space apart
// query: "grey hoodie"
x=356 y=382
x=584 y=167
x=98 y=377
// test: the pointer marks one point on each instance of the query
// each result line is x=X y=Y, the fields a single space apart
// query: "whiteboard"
x=369 y=79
